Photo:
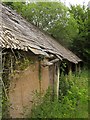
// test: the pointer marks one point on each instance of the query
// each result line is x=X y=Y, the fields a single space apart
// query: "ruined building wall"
x=23 y=86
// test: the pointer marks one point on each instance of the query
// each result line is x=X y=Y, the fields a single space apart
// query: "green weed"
x=72 y=103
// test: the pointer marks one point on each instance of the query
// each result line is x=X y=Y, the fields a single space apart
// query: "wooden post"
x=51 y=79
x=54 y=78
x=58 y=76
x=39 y=75
x=79 y=69
x=11 y=63
x=76 y=69
x=52 y=74
x=70 y=70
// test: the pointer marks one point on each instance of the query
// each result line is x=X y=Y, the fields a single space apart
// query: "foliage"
x=74 y=103
x=81 y=42
x=5 y=105
x=64 y=86
x=69 y=26
x=52 y=17
x=12 y=63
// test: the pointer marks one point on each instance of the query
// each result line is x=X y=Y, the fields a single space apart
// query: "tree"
x=68 y=25
x=81 y=43
x=52 y=17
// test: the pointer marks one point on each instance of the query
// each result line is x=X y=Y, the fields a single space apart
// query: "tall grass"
x=72 y=103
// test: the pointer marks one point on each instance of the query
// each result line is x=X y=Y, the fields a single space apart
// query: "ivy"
x=12 y=62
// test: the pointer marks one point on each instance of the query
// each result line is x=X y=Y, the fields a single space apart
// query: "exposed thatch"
x=17 y=33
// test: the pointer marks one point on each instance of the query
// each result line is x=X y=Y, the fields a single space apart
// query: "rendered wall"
x=23 y=85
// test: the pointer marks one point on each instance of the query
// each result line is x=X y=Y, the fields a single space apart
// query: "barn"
x=31 y=61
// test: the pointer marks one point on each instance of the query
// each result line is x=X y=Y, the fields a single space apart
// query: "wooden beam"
x=70 y=71
x=50 y=56
x=58 y=77
x=76 y=69
x=46 y=63
x=79 y=69
x=55 y=60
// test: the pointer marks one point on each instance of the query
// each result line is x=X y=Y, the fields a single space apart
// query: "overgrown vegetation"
x=13 y=62
x=70 y=27
x=72 y=103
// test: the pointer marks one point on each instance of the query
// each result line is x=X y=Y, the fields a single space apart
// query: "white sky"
x=67 y=2
x=74 y=2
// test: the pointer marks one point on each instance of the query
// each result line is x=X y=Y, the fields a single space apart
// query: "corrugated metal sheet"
x=19 y=34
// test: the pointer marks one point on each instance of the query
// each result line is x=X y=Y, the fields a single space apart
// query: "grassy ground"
x=71 y=104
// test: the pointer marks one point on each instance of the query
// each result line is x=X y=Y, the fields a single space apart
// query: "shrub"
x=73 y=102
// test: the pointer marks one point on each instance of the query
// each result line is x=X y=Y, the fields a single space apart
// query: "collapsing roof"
x=17 y=33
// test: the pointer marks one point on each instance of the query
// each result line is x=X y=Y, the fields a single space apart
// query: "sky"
x=66 y=2
x=74 y=2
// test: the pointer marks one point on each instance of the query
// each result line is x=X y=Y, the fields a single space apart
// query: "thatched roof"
x=17 y=33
